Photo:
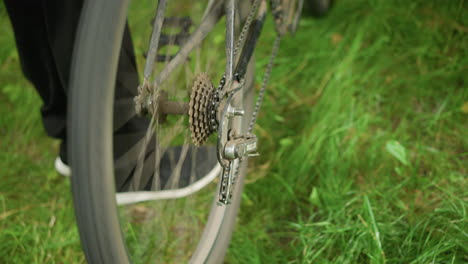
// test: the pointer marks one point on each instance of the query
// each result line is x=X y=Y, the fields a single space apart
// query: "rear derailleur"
x=213 y=110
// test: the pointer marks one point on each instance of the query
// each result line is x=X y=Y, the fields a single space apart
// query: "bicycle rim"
x=165 y=231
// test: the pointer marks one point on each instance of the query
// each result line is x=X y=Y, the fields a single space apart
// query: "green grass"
x=363 y=146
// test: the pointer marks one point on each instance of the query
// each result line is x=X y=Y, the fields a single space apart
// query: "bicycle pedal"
x=184 y=22
x=174 y=39
x=163 y=57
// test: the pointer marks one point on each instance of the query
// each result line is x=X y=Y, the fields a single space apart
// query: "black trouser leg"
x=38 y=62
x=45 y=33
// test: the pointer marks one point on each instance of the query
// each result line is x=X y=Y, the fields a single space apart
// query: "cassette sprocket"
x=202 y=109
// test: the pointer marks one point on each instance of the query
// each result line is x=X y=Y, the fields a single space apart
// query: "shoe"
x=61 y=162
x=62 y=168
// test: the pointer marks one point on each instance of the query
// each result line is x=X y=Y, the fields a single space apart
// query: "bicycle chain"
x=261 y=94
x=226 y=189
x=278 y=14
x=266 y=78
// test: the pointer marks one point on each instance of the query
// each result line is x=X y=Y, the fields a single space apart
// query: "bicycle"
x=112 y=234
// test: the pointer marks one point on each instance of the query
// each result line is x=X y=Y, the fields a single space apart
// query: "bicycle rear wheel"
x=169 y=231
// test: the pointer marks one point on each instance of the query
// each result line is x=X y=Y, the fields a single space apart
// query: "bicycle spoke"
x=153 y=48
x=194 y=40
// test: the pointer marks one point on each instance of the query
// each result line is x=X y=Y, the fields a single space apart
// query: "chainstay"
x=241 y=37
x=246 y=26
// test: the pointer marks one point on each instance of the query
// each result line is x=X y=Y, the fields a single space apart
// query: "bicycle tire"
x=92 y=82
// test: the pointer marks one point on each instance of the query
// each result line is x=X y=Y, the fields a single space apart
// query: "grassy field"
x=363 y=138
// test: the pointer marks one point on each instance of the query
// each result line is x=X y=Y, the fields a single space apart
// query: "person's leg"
x=62 y=18
x=37 y=62
x=45 y=34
